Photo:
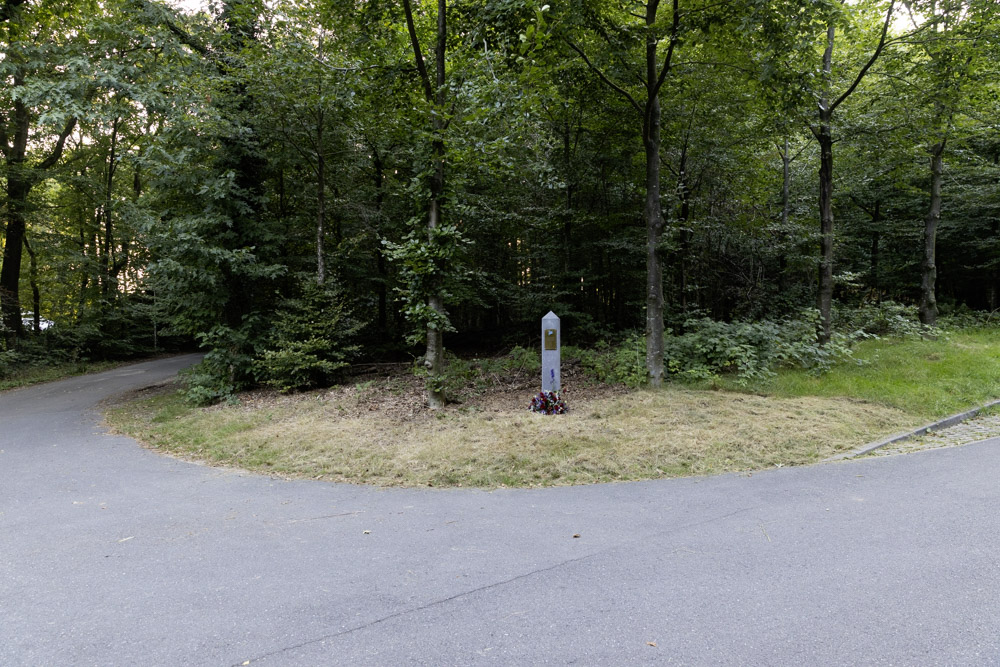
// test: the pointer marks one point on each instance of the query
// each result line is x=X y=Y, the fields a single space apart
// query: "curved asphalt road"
x=113 y=555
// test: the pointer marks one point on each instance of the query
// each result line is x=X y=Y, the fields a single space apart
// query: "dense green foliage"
x=256 y=179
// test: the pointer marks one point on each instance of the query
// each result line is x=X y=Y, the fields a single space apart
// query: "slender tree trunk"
x=874 y=255
x=824 y=135
x=654 y=232
x=928 y=281
x=320 y=203
x=19 y=183
x=320 y=181
x=107 y=257
x=654 y=213
x=36 y=295
x=786 y=186
x=567 y=230
x=18 y=189
x=786 y=214
x=382 y=316
x=824 y=298
x=683 y=218
x=434 y=360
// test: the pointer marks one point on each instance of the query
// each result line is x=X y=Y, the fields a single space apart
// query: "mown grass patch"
x=642 y=435
x=792 y=419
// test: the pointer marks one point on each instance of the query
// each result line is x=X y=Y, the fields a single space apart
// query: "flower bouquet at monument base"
x=548 y=403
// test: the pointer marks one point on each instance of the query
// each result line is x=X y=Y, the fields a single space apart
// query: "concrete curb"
x=923 y=430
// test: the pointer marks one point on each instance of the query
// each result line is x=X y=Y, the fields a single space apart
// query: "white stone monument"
x=551 y=342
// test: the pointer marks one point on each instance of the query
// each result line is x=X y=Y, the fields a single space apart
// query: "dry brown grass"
x=377 y=433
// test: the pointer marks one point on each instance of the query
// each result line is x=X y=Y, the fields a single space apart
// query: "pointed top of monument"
x=550 y=315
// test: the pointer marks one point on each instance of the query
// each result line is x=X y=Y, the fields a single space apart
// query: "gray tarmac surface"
x=114 y=555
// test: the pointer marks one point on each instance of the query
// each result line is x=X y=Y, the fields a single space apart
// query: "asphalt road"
x=113 y=555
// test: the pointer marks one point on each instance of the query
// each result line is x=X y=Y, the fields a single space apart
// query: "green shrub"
x=886 y=318
x=750 y=351
x=624 y=363
x=310 y=341
x=224 y=369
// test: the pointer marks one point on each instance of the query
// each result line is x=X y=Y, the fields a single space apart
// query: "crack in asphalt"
x=429 y=605
x=486 y=587
x=326 y=516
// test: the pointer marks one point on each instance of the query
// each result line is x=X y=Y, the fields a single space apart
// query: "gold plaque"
x=550 y=339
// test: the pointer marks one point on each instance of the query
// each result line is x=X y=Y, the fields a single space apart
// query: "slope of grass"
x=926 y=378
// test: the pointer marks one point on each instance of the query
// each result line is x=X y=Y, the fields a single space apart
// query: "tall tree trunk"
x=786 y=214
x=654 y=268
x=786 y=185
x=434 y=359
x=108 y=281
x=320 y=180
x=435 y=95
x=382 y=315
x=18 y=188
x=320 y=203
x=19 y=183
x=824 y=296
x=824 y=136
x=655 y=75
x=928 y=280
x=683 y=218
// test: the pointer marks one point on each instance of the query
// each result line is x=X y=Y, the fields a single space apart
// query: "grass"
x=36 y=374
x=926 y=378
x=795 y=418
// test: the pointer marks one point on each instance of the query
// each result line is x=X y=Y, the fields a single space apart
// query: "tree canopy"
x=298 y=184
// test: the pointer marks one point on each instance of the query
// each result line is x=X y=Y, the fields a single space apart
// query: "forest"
x=294 y=186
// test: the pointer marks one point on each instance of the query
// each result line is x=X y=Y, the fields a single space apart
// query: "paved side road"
x=113 y=555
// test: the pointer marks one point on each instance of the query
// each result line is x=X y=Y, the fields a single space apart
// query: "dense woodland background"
x=298 y=184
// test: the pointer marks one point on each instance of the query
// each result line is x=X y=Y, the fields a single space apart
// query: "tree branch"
x=425 y=79
x=871 y=61
x=58 y=149
x=184 y=36
x=621 y=91
x=665 y=69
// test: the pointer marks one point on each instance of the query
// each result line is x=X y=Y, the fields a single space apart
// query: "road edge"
x=923 y=430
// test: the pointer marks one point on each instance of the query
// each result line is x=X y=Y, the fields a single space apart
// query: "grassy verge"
x=926 y=378
x=643 y=435
x=29 y=375
x=794 y=418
